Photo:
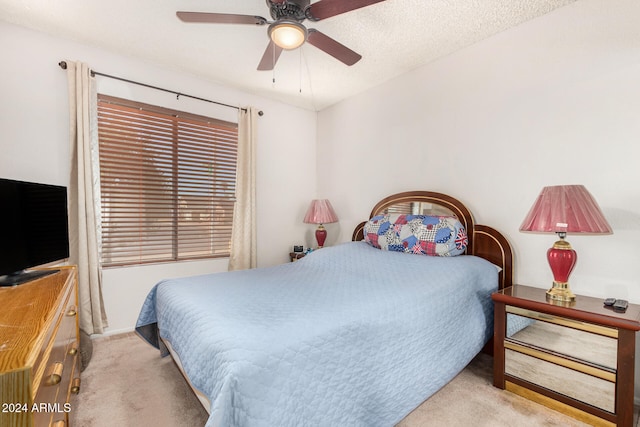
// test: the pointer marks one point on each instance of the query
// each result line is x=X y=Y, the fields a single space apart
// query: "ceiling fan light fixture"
x=287 y=34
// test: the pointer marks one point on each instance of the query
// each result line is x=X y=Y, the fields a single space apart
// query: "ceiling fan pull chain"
x=300 y=73
x=273 y=70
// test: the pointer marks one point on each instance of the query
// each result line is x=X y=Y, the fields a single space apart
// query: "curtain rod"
x=63 y=65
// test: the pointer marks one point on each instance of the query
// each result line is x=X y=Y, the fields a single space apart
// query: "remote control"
x=620 y=305
x=609 y=302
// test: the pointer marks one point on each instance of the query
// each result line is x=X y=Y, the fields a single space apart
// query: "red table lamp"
x=564 y=209
x=320 y=212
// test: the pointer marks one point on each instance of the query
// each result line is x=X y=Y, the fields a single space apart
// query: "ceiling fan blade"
x=332 y=47
x=324 y=9
x=220 y=18
x=270 y=57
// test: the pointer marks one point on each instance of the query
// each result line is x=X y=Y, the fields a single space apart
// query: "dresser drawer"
x=586 y=388
x=589 y=346
x=61 y=414
x=53 y=399
x=63 y=328
x=53 y=391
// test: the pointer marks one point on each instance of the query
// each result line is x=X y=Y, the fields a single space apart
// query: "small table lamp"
x=320 y=212
x=564 y=209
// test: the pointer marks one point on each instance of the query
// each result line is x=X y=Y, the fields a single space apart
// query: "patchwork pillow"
x=417 y=234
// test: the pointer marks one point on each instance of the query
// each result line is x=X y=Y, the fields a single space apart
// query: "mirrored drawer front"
x=590 y=347
x=578 y=385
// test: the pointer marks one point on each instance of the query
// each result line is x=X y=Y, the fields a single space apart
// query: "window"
x=167 y=181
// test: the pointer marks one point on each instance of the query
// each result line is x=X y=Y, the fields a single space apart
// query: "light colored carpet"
x=470 y=399
x=128 y=384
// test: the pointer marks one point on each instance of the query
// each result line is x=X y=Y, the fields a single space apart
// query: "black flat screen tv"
x=34 y=229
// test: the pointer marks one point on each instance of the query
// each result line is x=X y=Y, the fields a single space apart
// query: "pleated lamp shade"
x=566 y=209
x=320 y=212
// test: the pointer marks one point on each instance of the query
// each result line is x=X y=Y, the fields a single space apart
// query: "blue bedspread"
x=347 y=336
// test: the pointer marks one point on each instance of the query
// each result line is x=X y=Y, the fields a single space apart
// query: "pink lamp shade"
x=568 y=209
x=564 y=209
x=320 y=212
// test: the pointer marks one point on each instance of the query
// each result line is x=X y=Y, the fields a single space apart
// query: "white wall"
x=34 y=140
x=553 y=101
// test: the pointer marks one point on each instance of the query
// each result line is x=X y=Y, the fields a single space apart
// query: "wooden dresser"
x=39 y=342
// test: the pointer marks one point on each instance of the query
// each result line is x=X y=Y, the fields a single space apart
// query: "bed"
x=357 y=334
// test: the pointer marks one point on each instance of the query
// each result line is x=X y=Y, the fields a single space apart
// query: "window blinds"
x=167 y=183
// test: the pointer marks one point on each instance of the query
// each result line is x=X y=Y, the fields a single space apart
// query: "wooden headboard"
x=484 y=241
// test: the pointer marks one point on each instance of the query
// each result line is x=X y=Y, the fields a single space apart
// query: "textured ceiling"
x=393 y=37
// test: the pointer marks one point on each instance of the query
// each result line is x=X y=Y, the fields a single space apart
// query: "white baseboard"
x=112 y=332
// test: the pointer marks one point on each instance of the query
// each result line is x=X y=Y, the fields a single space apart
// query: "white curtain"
x=84 y=197
x=243 y=235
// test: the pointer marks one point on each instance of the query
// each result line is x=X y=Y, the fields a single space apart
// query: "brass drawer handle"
x=74 y=349
x=75 y=386
x=55 y=374
x=72 y=312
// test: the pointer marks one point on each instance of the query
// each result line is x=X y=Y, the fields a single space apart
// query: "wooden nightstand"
x=293 y=256
x=578 y=360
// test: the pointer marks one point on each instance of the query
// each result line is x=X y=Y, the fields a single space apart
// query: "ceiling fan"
x=286 y=31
